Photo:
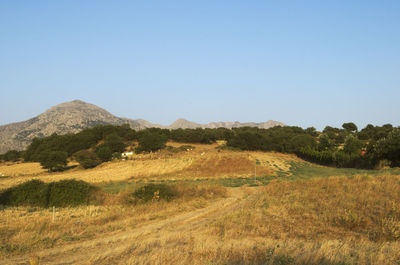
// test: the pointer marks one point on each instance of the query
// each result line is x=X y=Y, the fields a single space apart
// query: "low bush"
x=151 y=142
x=37 y=193
x=155 y=192
x=69 y=193
x=334 y=158
x=32 y=193
x=87 y=159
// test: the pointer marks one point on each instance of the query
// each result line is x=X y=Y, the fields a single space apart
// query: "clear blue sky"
x=300 y=62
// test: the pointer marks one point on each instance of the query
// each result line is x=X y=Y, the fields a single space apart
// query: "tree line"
x=340 y=147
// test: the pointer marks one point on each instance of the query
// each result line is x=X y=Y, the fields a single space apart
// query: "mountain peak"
x=76 y=115
x=75 y=104
x=184 y=124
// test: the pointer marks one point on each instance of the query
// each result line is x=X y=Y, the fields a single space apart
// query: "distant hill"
x=185 y=124
x=69 y=117
x=74 y=116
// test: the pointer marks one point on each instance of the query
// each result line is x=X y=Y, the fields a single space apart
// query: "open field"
x=293 y=212
x=203 y=162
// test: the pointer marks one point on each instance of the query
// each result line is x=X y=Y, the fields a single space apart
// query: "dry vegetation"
x=330 y=220
x=21 y=169
x=27 y=229
x=204 y=161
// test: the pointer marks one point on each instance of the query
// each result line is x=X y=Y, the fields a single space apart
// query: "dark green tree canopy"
x=350 y=126
x=388 y=148
x=352 y=145
x=87 y=159
x=53 y=160
x=151 y=141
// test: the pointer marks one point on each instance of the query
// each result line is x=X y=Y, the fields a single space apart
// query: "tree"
x=114 y=142
x=104 y=152
x=12 y=155
x=246 y=140
x=388 y=148
x=87 y=159
x=352 y=145
x=311 y=131
x=53 y=160
x=349 y=126
x=151 y=141
x=302 y=141
x=325 y=143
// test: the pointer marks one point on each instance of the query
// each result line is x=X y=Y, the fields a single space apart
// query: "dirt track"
x=111 y=249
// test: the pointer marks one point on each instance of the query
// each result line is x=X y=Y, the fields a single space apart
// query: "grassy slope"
x=307 y=214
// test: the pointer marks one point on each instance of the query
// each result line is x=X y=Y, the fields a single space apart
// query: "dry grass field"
x=305 y=215
x=204 y=161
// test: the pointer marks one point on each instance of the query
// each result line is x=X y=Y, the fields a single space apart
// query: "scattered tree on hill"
x=115 y=143
x=350 y=126
x=87 y=159
x=388 y=148
x=352 y=145
x=312 y=131
x=104 y=152
x=325 y=143
x=53 y=160
x=11 y=155
x=151 y=141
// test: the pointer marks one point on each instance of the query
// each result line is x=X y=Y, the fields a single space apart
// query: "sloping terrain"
x=106 y=250
x=292 y=212
x=69 y=117
x=203 y=162
x=74 y=116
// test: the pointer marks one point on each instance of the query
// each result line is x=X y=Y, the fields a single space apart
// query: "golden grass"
x=319 y=221
x=221 y=166
x=29 y=229
x=283 y=223
x=195 y=248
x=21 y=169
x=205 y=161
x=336 y=220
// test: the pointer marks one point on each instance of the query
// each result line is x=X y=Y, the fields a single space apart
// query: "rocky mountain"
x=69 y=117
x=236 y=124
x=74 y=116
x=184 y=124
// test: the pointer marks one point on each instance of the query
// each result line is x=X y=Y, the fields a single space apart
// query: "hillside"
x=69 y=117
x=74 y=116
x=292 y=212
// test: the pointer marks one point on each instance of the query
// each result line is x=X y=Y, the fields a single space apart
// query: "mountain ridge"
x=76 y=115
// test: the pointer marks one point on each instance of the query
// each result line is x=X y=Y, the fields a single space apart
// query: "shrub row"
x=333 y=158
x=63 y=193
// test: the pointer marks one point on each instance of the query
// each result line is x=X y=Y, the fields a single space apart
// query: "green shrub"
x=37 y=193
x=153 y=192
x=33 y=193
x=69 y=193
x=151 y=141
x=53 y=160
x=104 y=152
x=11 y=155
x=87 y=159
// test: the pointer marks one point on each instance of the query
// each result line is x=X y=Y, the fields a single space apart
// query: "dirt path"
x=109 y=248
